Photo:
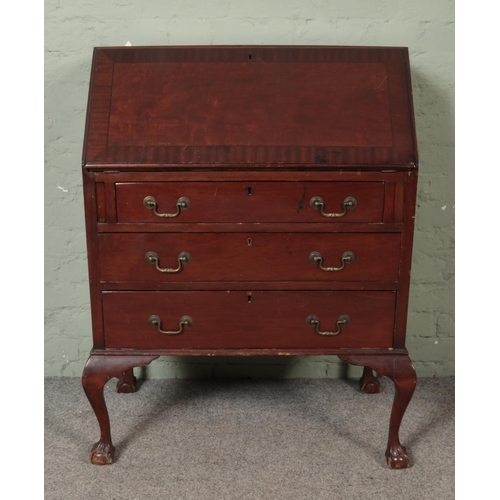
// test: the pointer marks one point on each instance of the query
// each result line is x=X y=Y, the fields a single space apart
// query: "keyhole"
x=249 y=190
x=249 y=299
x=249 y=241
x=250 y=56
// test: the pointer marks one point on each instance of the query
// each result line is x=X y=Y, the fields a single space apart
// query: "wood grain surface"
x=249 y=257
x=222 y=105
x=250 y=201
x=242 y=320
x=249 y=134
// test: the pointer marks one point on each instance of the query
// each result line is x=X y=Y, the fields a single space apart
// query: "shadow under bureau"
x=249 y=201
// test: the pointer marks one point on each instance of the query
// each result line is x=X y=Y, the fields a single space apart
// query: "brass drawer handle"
x=318 y=204
x=183 y=258
x=183 y=203
x=343 y=320
x=316 y=258
x=156 y=322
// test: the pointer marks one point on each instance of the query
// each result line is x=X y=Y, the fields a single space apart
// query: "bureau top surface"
x=249 y=106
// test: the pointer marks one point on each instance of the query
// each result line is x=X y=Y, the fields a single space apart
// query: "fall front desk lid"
x=261 y=106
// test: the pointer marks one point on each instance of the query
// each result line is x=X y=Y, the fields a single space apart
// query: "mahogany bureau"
x=249 y=201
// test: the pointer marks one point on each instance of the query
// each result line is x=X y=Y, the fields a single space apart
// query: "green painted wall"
x=74 y=27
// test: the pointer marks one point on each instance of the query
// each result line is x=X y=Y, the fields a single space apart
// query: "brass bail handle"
x=184 y=321
x=316 y=258
x=343 y=320
x=318 y=204
x=183 y=258
x=183 y=203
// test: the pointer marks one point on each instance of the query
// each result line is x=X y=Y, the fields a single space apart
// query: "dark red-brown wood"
x=244 y=320
x=97 y=371
x=249 y=135
x=101 y=201
x=150 y=105
x=249 y=285
x=400 y=370
x=239 y=202
x=354 y=107
x=127 y=382
x=249 y=257
x=91 y=217
x=334 y=351
x=369 y=384
x=408 y=212
x=190 y=173
x=253 y=227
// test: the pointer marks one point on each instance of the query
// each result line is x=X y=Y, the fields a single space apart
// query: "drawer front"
x=249 y=257
x=238 y=202
x=242 y=320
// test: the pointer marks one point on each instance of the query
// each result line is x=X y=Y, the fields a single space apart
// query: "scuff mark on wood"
x=380 y=85
x=320 y=159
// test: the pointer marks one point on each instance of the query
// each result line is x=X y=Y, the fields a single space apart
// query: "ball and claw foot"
x=397 y=458
x=369 y=383
x=127 y=382
x=102 y=453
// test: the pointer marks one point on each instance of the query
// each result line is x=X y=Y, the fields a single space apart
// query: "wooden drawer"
x=249 y=256
x=248 y=320
x=239 y=202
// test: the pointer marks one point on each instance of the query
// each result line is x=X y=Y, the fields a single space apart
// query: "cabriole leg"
x=405 y=379
x=98 y=370
x=400 y=370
